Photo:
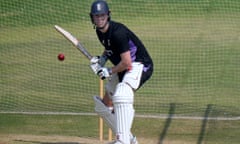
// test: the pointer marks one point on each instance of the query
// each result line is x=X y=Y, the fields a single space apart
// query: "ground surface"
x=34 y=139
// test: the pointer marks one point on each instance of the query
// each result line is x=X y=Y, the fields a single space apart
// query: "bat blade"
x=74 y=41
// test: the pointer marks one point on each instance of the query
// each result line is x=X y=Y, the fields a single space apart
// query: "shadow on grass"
x=169 y=120
x=204 y=124
x=167 y=123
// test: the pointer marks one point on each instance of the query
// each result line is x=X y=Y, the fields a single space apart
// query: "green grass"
x=49 y=125
x=194 y=45
x=187 y=131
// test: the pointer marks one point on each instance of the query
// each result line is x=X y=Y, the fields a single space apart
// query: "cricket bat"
x=81 y=48
x=74 y=41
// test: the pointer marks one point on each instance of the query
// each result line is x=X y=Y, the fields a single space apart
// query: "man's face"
x=100 y=20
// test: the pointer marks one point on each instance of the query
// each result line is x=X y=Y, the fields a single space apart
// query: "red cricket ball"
x=61 y=57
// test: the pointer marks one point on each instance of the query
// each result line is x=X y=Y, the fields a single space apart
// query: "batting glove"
x=95 y=63
x=104 y=72
x=101 y=60
x=94 y=59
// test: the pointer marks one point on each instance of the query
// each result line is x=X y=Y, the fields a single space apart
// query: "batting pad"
x=111 y=85
x=124 y=112
x=123 y=94
x=104 y=112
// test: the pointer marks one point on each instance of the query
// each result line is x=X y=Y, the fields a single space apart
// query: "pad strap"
x=103 y=111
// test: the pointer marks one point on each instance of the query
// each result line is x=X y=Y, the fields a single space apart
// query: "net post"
x=109 y=134
x=100 y=119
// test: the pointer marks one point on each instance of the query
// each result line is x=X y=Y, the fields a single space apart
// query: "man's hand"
x=101 y=60
x=104 y=72
x=95 y=59
x=94 y=64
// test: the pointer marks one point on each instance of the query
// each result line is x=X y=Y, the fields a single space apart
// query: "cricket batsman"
x=132 y=67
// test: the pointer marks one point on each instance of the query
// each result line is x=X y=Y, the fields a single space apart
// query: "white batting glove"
x=94 y=64
x=95 y=67
x=95 y=59
x=104 y=72
x=101 y=60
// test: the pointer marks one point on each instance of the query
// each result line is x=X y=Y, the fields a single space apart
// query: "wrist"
x=102 y=60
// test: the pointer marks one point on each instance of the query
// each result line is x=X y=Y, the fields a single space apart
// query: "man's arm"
x=124 y=64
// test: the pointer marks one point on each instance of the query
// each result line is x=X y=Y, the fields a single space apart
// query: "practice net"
x=194 y=46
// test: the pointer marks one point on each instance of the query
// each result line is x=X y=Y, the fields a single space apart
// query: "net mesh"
x=194 y=46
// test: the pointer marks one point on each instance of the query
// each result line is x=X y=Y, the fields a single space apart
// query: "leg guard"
x=104 y=112
x=124 y=112
x=110 y=87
